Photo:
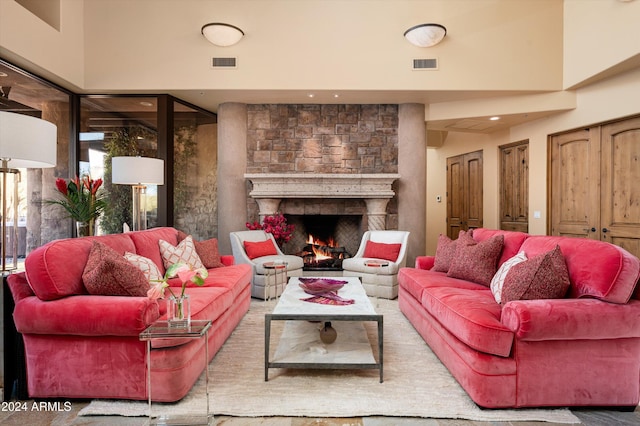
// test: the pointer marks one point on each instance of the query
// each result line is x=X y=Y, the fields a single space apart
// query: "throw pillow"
x=446 y=250
x=256 y=249
x=477 y=262
x=107 y=273
x=542 y=277
x=207 y=251
x=497 y=282
x=146 y=265
x=384 y=251
x=184 y=252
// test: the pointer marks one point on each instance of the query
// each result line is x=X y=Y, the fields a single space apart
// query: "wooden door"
x=575 y=184
x=514 y=187
x=464 y=193
x=620 y=207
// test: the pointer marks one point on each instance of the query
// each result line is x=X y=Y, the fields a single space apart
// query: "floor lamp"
x=138 y=172
x=25 y=142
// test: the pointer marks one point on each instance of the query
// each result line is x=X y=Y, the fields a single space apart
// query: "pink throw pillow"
x=207 y=251
x=446 y=250
x=386 y=251
x=542 y=277
x=256 y=249
x=477 y=262
x=108 y=273
x=184 y=252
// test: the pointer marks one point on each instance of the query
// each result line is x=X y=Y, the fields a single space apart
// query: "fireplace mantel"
x=375 y=189
x=299 y=185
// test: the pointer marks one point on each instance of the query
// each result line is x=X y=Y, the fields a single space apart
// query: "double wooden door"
x=595 y=184
x=464 y=193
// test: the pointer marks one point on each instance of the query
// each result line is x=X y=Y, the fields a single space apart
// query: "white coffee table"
x=300 y=345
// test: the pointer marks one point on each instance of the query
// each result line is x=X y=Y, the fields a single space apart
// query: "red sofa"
x=79 y=345
x=581 y=350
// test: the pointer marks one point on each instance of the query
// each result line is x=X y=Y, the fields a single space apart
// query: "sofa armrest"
x=571 y=319
x=86 y=315
x=425 y=262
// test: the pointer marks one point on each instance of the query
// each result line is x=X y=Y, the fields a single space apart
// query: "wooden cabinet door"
x=620 y=207
x=464 y=193
x=514 y=187
x=575 y=184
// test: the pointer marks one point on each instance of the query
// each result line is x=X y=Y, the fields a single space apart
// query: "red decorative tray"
x=320 y=285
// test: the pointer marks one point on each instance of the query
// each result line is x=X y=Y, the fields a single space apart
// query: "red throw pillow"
x=446 y=250
x=259 y=248
x=542 y=277
x=107 y=273
x=477 y=262
x=207 y=250
x=382 y=250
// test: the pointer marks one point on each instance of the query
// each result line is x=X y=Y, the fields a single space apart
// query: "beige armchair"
x=378 y=281
x=265 y=284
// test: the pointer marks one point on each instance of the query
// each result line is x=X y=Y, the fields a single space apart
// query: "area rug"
x=415 y=384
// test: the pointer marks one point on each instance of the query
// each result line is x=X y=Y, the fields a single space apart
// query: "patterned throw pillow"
x=382 y=250
x=477 y=262
x=542 y=277
x=497 y=282
x=146 y=265
x=207 y=251
x=184 y=252
x=446 y=250
x=256 y=249
x=107 y=273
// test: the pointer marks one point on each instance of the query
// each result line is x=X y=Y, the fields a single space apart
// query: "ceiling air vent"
x=224 y=62
x=425 y=64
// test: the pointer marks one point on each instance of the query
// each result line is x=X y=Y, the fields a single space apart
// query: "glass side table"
x=275 y=269
x=164 y=330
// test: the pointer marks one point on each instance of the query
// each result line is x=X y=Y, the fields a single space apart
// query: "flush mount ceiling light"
x=222 y=34
x=425 y=35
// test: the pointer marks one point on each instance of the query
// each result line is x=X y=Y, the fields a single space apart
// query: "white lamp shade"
x=26 y=141
x=137 y=171
x=222 y=34
x=425 y=35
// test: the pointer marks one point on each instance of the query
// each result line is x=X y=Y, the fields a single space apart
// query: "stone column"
x=267 y=206
x=376 y=213
x=232 y=164
x=412 y=187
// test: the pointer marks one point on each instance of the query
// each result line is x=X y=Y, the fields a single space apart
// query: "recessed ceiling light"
x=311 y=95
x=335 y=95
x=145 y=103
x=3 y=74
x=494 y=118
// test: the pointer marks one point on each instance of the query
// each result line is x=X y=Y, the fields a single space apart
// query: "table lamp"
x=138 y=172
x=25 y=142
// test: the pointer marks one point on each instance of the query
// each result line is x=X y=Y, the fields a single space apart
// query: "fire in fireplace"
x=321 y=255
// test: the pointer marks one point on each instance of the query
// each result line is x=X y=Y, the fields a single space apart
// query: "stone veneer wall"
x=313 y=138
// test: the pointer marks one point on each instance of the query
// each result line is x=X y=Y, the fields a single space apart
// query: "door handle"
x=605 y=230
x=587 y=230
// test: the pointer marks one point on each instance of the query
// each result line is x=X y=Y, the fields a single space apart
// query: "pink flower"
x=157 y=290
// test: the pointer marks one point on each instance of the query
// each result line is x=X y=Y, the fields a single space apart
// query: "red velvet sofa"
x=580 y=350
x=79 y=345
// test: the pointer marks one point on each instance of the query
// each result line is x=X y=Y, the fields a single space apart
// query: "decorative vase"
x=179 y=311
x=84 y=229
x=328 y=334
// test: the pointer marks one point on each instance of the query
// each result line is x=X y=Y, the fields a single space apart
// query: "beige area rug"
x=415 y=384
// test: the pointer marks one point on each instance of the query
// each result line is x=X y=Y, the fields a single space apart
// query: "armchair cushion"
x=382 y=250
x=110 y=274
x=256 y=249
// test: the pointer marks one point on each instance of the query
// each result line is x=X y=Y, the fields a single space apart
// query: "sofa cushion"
x=512 y=241
x=207 y=251
x=472 y=315
x=477 y=262
x=146 y=265
x=386 y=251
x=184 y=252
x=414 y=281
x=542 y=277
x=108 y=273
x=255 y=249
x=446 y=250
x=596 y=268
x=497 y=282
x=54 y=270
x=146 y=243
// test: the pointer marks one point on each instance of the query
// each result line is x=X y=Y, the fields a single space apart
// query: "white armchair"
x=261 y=275
x=378 y=281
